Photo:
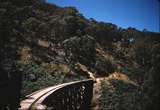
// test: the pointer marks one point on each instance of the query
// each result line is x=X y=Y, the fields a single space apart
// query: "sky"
x=140 y=14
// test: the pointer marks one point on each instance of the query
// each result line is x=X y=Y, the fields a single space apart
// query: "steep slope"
x=46 y=45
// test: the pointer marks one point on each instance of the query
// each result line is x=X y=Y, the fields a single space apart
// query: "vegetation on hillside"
x=45 y=44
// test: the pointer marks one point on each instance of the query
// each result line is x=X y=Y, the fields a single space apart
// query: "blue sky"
x=139 y=14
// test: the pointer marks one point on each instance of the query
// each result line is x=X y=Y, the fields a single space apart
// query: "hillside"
x=47 y=45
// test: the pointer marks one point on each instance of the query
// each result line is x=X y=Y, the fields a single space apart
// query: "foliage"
x=151 y=82
x=104 y=67
x=36 y=77
x=81 y=49
x=134 y=73
x=120 y=95
x=71 y=39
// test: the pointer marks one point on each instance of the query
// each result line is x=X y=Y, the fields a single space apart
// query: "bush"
x=120 y=95
x=36 y=76
x=104 y=67
x=81 y=49
x=134 y=73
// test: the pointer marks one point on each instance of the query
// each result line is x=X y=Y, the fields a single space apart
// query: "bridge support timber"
x=75 y=95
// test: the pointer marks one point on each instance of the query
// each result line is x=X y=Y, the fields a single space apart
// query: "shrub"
x=81 y=49
x=120 y=95
x=104 y=67
x=36 y=76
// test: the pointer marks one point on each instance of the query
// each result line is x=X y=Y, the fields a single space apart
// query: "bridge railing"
x=68 y=96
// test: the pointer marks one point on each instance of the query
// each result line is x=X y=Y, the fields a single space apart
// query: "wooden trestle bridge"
x=68 y=96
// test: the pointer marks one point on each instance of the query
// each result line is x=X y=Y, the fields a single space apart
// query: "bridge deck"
x=76 y=94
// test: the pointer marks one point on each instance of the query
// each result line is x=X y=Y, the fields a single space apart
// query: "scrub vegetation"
x=48 y=45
